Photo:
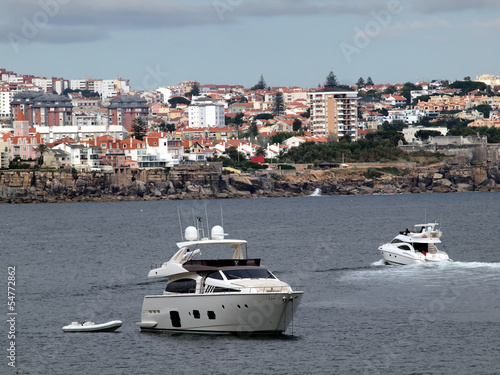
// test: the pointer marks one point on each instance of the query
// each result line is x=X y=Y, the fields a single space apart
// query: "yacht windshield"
x=246 y=273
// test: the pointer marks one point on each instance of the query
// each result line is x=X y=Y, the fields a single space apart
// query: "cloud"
x=453 y=6
x=493 y=25
x=61 y=21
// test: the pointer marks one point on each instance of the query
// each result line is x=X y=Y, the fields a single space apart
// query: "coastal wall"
x=199 y=182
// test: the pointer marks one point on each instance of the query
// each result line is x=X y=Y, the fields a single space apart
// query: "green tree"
x=467 y=86
x=237 y=122
x=261 y=151
x=484 y=109
x=176 y=100
x=346 y=138
x=390 y=90
x=408 y=87
x=235 y=155
x=425 y=134
x=374 y=93
x=279 y=103
x=253 y=130
x=396 y=125
x=280 y=137
x=17 y=163
x=331 y=80
x=383 y=111
x=261 y=85
x=369 y=81
x=195 y=90
x=41 y=149
x=361 y=82
x=264 y=116
x=306 y=114
x=297 y=125
x=139 y=128
x=163 y=127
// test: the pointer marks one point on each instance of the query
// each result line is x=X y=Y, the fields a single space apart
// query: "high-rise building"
x=334 y=113
x=42 y=109
x=206 y=112
x=124 y=109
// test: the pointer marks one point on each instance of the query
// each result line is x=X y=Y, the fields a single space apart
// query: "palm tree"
x=261 y=151
x=42 y=148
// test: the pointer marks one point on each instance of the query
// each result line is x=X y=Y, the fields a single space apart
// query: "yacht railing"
x=273 y=289
x=210 y=289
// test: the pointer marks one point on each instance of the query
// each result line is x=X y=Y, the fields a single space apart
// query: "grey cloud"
x=451 y=6
x=89 y=20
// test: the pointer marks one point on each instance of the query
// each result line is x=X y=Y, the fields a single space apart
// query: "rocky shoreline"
x=207 y=182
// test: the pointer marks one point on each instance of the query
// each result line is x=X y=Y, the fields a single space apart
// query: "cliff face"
x=198 y=182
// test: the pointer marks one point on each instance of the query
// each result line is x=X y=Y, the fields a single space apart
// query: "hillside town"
x=100 y=125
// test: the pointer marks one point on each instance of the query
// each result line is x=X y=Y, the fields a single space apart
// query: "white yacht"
x=218 y=295
x=415 y=246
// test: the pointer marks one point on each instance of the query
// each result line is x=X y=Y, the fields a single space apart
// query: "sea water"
x=89 y=261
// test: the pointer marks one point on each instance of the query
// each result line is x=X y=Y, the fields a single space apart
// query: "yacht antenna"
x=206 y=218
x=221 y=217
x=200 y=228
x=180 y=224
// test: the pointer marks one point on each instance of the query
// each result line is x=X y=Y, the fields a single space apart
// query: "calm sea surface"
x=90 y=261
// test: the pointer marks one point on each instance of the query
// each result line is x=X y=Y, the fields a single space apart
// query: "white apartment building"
x=409 y=116
x=206 y=112
x=107 y=88
x=77 y=84
x=334 y=113
x=44 y=83
x=5 y=99
x=84 y=125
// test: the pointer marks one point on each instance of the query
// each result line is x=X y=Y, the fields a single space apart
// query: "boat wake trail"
x=468 y=265
x=345 y=269
x=316 y=193
x=378 y=263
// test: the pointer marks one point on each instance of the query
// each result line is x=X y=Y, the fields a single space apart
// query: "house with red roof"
x=394 y=100
x=23 y=143
x=156 y=150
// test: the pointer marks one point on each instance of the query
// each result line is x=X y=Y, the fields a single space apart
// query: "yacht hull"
x=220 y=313
x=395 y=257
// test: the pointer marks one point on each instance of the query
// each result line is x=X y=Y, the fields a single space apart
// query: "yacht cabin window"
x=181 y=286
x=248 y=274
x=215 y=275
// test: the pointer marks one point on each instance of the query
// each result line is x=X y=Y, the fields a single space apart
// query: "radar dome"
x=191 y=233
x=217 y=233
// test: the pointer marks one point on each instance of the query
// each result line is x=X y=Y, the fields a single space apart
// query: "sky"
x=290 y=42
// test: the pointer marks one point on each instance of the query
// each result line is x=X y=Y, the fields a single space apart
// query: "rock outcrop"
x=205 y=182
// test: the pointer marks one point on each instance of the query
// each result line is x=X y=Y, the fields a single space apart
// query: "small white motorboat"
x=413 y=247
x=92 y=327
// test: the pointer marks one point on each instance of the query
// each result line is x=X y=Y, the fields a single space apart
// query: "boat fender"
x=424 y=252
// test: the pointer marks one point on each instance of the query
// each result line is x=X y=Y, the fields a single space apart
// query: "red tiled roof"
x=21 y=116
